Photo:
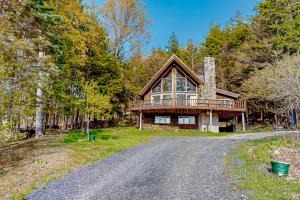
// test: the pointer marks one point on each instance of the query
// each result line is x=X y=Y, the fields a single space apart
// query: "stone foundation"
x=160 y=127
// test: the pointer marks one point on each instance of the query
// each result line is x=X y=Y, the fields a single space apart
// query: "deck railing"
x=189 y=103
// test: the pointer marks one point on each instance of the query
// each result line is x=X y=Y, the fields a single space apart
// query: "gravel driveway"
x=167 y=168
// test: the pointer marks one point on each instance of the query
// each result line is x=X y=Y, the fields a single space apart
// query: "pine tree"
x=215 y=40
x=173 y=46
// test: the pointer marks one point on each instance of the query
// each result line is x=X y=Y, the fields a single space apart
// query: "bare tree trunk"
x=39 y=99
x=88 y=128
x=52 y=121
x=39 y=112
x=46 y=122
x=63 y=123
x=57 y=117
x=67 y=123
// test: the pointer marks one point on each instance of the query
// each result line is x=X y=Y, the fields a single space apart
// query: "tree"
x=126 y=21
x=190 y=55
x=278 y=85
x=21 y=42
x=282 y=18
x=173 y=45
x=75 y=49
x=215 y=40
x=95 y=105
x=79 y=45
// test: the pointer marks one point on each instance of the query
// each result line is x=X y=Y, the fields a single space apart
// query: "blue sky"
x=190 y=18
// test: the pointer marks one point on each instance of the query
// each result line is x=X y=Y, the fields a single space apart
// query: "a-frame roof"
x=167 y=65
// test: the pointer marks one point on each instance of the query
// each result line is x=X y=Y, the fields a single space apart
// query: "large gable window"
x=184 y=84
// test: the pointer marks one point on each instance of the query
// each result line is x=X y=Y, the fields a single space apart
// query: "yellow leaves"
x=97 y=104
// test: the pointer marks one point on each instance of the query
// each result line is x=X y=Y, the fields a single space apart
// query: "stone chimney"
x=209 y=76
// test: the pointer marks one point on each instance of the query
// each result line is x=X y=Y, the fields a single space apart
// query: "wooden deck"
x=194 y=104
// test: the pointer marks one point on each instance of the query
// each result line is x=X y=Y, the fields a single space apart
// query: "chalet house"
x=177 y=98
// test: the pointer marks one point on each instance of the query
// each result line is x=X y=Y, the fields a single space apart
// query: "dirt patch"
x=28 y=163
x=289 y=155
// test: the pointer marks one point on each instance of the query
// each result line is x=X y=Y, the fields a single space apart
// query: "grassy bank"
x=248 y=164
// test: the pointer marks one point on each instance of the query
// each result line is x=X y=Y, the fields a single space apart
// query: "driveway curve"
x=167 y=168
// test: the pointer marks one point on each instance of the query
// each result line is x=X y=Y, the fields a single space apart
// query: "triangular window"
x=184 y=84
x=157 y=87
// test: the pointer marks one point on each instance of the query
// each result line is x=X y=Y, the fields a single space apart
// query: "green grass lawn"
x=247 y=165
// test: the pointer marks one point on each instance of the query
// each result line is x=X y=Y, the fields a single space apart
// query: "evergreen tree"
x=173 y=46
x=215 y=40
x=282 y=19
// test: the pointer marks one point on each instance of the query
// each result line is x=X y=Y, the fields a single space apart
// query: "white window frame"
x=162 y=119
x=160 y=97
x=187 y=120
x=186 y=100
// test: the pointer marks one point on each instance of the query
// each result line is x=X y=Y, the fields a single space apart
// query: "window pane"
x=186 y=120
x=156 y=99
x=181 y=96
x=180 y=84
x=191 y=87
x=162 y=120
x=180 y=120
x=157 y=119
x=179 y=75
x=167 y=84
x=168 y=120
x=192 y=120
x=167 y=99
x=157 y=87
x=167 y=96
x=181 y=99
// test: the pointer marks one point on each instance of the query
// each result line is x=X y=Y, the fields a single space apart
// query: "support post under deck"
x=141 y=121
x=243 y=121
x=210 y=120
